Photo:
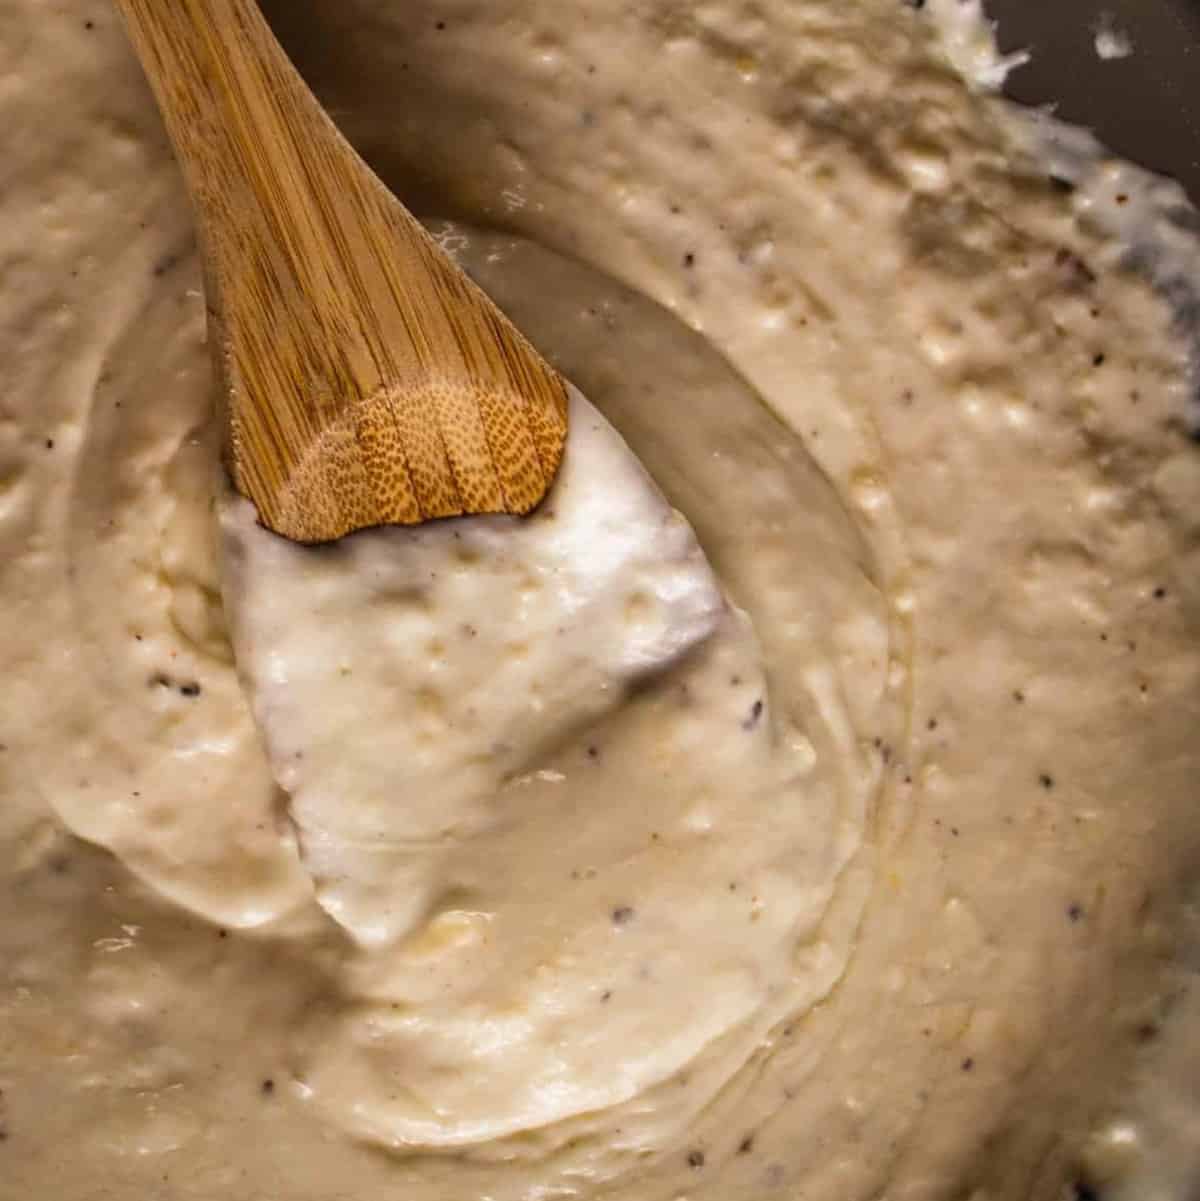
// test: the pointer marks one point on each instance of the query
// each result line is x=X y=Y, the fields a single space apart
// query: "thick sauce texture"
x=532 y=861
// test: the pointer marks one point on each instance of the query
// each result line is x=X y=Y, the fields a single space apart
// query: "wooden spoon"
x=365 y=379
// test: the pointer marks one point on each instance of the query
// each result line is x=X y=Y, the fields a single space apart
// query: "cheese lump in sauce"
x=537 y=860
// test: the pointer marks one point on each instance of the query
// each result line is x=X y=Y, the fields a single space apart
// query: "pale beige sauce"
x=969 y=573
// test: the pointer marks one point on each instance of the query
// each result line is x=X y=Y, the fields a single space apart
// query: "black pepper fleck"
x=606 y=995
x=746 y=1145
x=1159 y=593
x=1019 y=697
x=1075 y=911
x=752 y=718
x=689 y=259
x=968 y=1064
x=49 y=443
x=1046 y=781
x=622 y=915
x=1079 y=272
x=1098 y=359
x=189 y=689
x=695 y=1159
x=268 y=1087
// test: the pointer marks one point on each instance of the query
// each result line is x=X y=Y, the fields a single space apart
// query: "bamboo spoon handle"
x=366 y=380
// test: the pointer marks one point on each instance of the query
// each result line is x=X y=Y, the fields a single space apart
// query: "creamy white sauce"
x=918 y=926
x=567 y=895
x=475 y=647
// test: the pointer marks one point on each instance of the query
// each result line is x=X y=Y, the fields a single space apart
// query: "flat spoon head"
x=364 y=379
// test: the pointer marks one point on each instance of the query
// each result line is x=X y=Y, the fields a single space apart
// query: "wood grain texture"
x=365 y=380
